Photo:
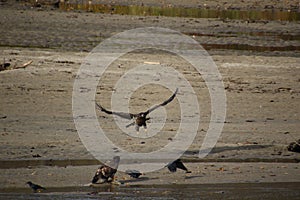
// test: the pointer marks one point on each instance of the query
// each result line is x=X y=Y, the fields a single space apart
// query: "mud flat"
x=39 y=141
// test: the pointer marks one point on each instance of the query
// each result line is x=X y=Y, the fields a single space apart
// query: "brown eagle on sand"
x=107 y=171
x=140 y=118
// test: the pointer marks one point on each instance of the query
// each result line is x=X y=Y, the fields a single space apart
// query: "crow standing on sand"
x=140 y=118
x=35 y=187
x=133 y=173
x=177 y=164
x=107 y=171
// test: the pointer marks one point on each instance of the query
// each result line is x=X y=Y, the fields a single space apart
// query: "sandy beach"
x=258 y=60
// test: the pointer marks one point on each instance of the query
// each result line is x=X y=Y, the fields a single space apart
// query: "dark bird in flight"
x=35 y=187
x=133 y=173
x=177 y=164
x=140 y=118
x=107 y=171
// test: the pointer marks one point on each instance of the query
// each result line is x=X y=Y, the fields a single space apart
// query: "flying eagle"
x=140 y=118
x=177 y=164
x=107 y=171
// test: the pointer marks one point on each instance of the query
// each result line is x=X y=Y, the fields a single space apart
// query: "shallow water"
x=246 y=16
x=198 y=191
x=184 y=12
x=14 y=164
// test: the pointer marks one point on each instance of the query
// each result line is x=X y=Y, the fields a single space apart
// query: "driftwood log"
x=7 y=66
x=24 y=65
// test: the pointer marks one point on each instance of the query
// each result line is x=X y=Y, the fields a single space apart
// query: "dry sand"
x=262 y=91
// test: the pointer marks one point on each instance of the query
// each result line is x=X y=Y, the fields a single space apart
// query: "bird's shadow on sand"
x=239 y=148
x=232 y=148
x=193 y=176
x=134 y=180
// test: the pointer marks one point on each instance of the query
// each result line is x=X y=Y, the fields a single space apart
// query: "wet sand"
x=203 y=191
x=262 y=89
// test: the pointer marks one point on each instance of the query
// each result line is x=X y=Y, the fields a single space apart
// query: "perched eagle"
x=35 y=187
x=177 y=164
x=107 y=171
x=140 y=118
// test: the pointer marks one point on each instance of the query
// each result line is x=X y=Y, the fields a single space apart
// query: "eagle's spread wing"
x=164 y=103
x=120 y=114
x=113 y=163
x=131 y=124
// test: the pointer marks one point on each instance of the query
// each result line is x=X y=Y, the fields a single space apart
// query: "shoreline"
x=249 y=5
x=196 y=191
x=202 y=173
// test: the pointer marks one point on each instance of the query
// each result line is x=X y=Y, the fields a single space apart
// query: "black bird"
x=140 y=118
x=133 y=173
x=4 y=66
x=107 y=171
x=35 y=187
x=177 y=164
x=294 y=146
